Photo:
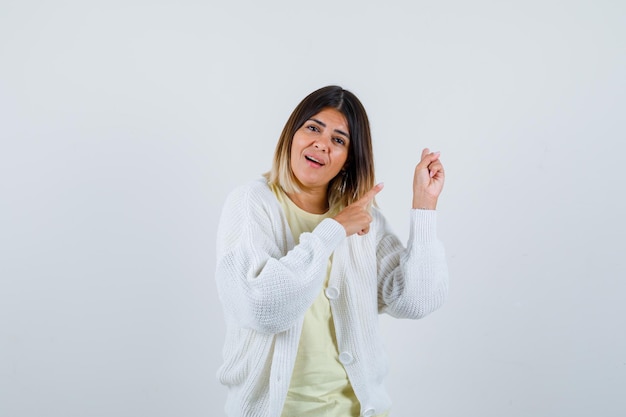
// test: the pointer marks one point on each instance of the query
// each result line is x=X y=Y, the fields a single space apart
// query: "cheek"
x=294 y=148
x=344 y=157
x=296 y=144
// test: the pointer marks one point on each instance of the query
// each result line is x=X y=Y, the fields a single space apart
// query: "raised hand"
x=356 y=218
x=428 y=181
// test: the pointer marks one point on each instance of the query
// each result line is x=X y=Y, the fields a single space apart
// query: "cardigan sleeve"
x=261 y=286
x=412 y=281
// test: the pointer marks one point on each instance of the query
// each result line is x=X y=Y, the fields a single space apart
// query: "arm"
x=412 y=281
x=264 y=288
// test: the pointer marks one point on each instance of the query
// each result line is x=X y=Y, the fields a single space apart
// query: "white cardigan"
x=266 y=283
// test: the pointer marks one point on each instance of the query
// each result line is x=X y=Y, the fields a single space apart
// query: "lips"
x=314 y=160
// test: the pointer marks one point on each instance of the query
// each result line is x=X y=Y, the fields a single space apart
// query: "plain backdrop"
x=124 y=124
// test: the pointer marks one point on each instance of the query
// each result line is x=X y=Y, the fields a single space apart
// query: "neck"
x=312 y=201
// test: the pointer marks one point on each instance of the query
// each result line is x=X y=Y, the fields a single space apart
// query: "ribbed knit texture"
x=266 y=283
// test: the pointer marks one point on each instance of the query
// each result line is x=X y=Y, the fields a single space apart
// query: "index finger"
x=368 y=197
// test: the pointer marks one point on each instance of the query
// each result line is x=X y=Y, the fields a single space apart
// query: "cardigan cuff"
x=423 y=225
x=331 y=233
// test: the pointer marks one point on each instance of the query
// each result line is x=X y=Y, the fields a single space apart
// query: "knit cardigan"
x=266 y=283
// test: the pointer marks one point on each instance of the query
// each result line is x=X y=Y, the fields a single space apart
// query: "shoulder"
x=252 y=199
x=254 y=191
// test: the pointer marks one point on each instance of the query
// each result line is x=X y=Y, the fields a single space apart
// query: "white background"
x=124 y=124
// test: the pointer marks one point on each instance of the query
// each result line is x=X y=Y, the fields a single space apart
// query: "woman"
x=305 y=264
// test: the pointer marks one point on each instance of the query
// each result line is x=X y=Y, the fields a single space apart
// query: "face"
x=319 y=149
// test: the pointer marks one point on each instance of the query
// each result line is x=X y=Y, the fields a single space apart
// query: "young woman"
x=305 y=264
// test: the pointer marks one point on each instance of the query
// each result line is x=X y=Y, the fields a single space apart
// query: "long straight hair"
x=357 y=177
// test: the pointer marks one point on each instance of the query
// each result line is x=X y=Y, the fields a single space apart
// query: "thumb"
x=427 y=158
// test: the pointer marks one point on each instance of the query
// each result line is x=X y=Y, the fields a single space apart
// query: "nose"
x=321 y=145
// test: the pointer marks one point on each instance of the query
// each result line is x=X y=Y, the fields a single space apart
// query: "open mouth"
x=315 y=161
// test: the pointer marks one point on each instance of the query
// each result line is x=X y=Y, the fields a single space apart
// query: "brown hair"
x=357 y=178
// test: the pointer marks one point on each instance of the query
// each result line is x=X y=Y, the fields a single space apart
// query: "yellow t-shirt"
x=319 y=384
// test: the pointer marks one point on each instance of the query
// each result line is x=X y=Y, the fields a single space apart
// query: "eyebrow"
x=341 y=132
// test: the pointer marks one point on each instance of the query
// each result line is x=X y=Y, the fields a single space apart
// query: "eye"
x=339 y=140
x=313 y=128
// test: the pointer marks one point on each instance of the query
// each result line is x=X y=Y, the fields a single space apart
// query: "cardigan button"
x=331 y=293
x=369 y=412
x=346 y=358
